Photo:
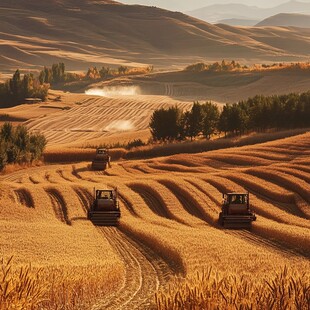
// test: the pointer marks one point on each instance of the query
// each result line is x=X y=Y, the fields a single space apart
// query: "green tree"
x=6 y=132
x=194 y=121
x=165 y=124
x=3 y=154
x=17 y=145
x=211 y=116
x=37 y=145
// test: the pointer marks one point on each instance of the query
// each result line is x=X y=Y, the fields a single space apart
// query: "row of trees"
x=173 y=124
x=228 y=66
x=107 y=72
x=17 y=145
x=16 y=89
x=224 y=66
x=254 y=114
x=57 y=74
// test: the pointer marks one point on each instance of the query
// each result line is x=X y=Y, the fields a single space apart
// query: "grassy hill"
x=105 y=32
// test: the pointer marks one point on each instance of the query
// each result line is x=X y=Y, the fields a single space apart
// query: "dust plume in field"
x=83 y=119
x=114 y=91
x=120 y=125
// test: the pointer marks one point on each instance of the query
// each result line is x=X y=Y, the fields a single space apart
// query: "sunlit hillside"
x=36 y=33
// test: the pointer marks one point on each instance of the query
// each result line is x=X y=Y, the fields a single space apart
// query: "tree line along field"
x=168 y=230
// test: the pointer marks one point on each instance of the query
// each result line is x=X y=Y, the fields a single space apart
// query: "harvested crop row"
x=289 y=182
x=59 y=205
x=85 y=198
x=304 y=176
x=240 y=160
x=24 y=197
x=152 y=199
x=292 y=237
x=189 y=199
x=262 y=186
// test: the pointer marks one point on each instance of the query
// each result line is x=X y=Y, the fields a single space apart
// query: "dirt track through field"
x=145 y=273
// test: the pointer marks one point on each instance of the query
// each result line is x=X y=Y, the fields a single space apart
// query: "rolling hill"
x=238 y=22
x=286 y=20
x=80 y=33
x=215 y=13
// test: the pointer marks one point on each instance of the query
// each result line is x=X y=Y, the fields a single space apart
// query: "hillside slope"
x=105 y=32
x=286 y=19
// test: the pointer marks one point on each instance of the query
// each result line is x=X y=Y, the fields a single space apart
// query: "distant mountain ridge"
x=82 y=33
x=286 y=20
x=239 y=22
x=219 y=12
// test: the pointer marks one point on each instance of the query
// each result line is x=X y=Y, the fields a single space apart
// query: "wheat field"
x=168 y=227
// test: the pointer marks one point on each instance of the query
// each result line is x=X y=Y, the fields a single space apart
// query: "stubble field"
x=168 y=227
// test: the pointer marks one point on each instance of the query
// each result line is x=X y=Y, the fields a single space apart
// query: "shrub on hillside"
x=17 y=145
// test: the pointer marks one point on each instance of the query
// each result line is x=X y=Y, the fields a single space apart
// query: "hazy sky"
x=185 y=5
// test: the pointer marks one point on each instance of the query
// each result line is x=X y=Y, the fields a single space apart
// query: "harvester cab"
x=101 y=160
x=105 y=210
x=236 y=211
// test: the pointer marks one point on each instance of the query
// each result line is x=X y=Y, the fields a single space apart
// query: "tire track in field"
x=59 y=205
x=24 y=197
x=153 y=201
x=145 y=273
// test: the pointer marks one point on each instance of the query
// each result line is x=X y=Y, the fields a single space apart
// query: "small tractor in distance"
x=101 y=160
x=105 y=209
x=236 y=211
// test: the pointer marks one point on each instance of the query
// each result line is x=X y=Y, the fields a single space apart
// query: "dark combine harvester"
x=101 y=160
x=236 y=212
x=105 y=209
